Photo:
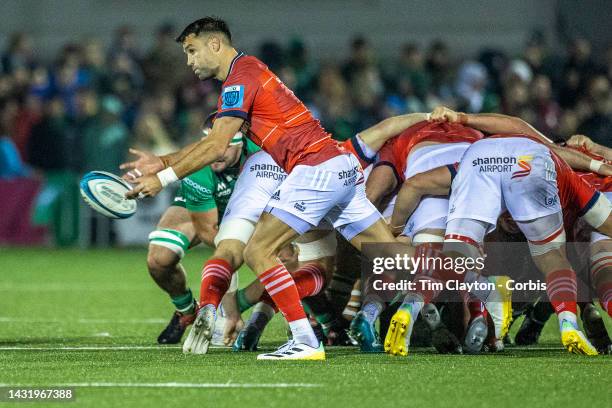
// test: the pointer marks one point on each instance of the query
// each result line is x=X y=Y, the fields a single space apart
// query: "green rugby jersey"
x=205 y=190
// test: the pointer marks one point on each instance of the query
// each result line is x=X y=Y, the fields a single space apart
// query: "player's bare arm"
x=433 y=182
x=208 y=150
x=378 y=134
x=381 y=182
x=187 y=161
x=497 y=123
x=205 y=224
x=586 y=143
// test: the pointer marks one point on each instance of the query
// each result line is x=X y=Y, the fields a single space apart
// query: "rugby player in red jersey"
x=324 y=180
x=541 y=221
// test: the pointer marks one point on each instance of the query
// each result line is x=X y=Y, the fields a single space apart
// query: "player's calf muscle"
x=551 y=261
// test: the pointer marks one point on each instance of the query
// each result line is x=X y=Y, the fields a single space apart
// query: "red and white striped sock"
x=216 y=277
x=280 y=286
x=309 y=279
x=599 y=262
x=475 y=307
x=562 y=292
x=604 y=292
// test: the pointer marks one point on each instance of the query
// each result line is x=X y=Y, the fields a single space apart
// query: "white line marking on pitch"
x=93 y=348
x=175 y=385
x=82 y=321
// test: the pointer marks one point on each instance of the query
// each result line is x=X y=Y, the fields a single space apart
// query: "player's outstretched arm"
x=377 y=135
x=496 y=123
x=433 y=182
x=500 y=124
x=586 y=143
x=186 y=161
x=206 y=151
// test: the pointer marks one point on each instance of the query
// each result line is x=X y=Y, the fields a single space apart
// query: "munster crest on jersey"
x=232 y=97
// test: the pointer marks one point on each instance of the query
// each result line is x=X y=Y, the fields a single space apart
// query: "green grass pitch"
x=92 y=317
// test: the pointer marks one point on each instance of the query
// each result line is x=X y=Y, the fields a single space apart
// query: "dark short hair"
x=209 y=24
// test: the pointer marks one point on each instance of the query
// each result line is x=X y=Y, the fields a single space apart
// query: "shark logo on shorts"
x=523 y=163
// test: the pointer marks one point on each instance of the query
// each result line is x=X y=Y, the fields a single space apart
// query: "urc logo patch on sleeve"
x=233 y=97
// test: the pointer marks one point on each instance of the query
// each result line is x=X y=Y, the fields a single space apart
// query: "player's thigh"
x=430 y=214
x=546 y=239
x=310 y=193
x=258 y=180
x=178 y=218
x=533 y=193
x=475 y=193
x=270 y=235
x=601 y=259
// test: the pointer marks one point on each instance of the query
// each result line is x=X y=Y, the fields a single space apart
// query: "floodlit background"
x=81 y=80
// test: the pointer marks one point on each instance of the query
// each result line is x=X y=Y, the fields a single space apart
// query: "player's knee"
x=161 y=260
x=255 y=252
x=166 y=248
x=232 y=254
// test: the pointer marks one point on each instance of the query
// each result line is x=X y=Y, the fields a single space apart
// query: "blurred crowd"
x=82 y=110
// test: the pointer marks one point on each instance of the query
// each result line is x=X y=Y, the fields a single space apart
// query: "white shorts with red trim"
x=517 y=174
x=432 y=211
x=334 y=190
x=258 y=180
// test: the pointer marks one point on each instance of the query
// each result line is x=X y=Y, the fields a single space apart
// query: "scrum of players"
x=267 y=186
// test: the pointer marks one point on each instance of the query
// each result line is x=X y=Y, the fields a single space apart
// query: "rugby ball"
x=105 y=193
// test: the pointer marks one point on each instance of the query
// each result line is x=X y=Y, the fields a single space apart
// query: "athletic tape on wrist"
x=595 y=165
x=167 y=176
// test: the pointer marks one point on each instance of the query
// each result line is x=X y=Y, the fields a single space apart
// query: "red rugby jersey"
x=280 y=123
x=352 y=146
x=396 y=150
x=601 y=183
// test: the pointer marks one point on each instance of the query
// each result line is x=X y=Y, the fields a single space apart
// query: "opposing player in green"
x=192 y=218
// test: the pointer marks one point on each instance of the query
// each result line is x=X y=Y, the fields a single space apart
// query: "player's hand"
x=580 y=141
x=146 y=164
x=233 y=326
x=145 y=186
x=444 y=114
x=605 y=170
